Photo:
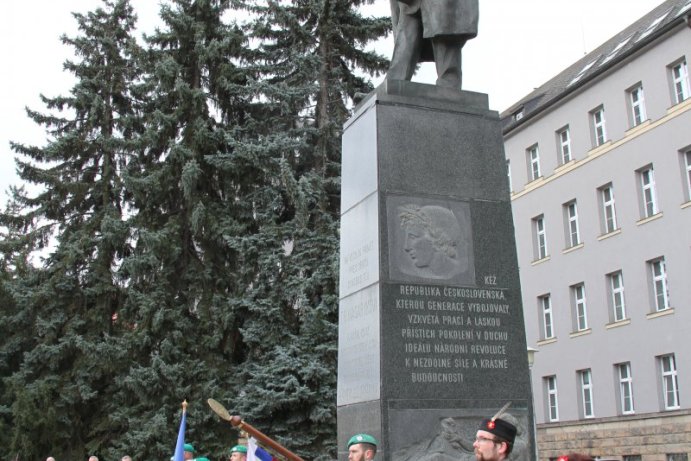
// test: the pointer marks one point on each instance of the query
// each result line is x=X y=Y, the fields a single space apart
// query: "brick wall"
x=652 y=436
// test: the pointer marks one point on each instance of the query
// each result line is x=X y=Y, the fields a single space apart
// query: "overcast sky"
x=521 y=44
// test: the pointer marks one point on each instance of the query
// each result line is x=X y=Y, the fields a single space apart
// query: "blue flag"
x=180 y=444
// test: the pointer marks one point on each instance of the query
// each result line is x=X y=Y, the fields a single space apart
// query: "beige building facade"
x=599 y=163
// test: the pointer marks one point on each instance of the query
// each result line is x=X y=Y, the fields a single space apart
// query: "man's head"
x=362 y=447
x=126 y=458
x=189 y=451
x=494 y=440
x=575 y=457
x=93 y=458
x=238 y=453
x=50 y=458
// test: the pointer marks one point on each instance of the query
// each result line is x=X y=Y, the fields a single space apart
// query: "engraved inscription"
x=358 y=347
x=446 y=330
x=357 y=265
x=359 y=257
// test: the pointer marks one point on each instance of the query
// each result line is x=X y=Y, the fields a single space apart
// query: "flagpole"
x=180 y=443
x=237 y=421
x=265 y=439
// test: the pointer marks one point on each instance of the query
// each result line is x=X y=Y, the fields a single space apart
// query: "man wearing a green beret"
x=189 y=451
x=238 y=453
x=362 y=447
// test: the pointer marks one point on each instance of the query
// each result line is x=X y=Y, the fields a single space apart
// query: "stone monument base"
x=431 y=334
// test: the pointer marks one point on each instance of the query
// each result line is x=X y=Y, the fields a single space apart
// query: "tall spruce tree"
x=16 y=325
x=304 y=74
x=182 y=306
x=12 y=347
x=195 y=234
x=66 y=307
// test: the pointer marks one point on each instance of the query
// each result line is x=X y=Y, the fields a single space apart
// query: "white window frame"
x=586 y=381
x=508 y=174
x=580 y=306
x=687 y=164
x=540 y=232
x=599 y=129
x=670 y=384
x=616 y=286
x=545 y=302
x=564 y=144
x=658 y=272
x=552 y=398
x=573 y=233
x=637 y=101
x=648 y=192
x=680 y=81
x=533 y=156
x=609 y=211
x=625 y=388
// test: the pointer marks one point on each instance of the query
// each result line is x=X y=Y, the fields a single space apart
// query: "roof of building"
x=638 y=35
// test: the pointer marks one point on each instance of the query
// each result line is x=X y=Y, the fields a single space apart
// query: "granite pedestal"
x=431 y=335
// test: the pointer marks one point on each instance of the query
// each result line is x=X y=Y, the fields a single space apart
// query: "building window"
x=687 y=167
x=680 y=81
x=533 y=156
x=637 y=105
x=552 y=400
x=625 y=388
x=540 y=236
x=609 y=213
x=677 y=457
x=571 y=216
x=631 y=458
x=616 y=50
x=580 y=309
x=545 y=303
x=658 y=272
x=508 y=174
x=653 y=25
x=683 y=9
x=616 y=290
x=598 y=120
x=564 y=145
x=648 y=195
x=586 y=379
x=670 y=386
x=582 y=72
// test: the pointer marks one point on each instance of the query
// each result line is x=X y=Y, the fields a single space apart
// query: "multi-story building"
x=599 y=162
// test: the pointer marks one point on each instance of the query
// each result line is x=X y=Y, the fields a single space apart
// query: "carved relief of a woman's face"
x=419 y=246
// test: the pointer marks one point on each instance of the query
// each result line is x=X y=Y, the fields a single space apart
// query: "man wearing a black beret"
x=494 y=439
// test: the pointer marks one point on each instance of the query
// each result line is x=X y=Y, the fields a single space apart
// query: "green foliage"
x=62 y=311
x=188 y=212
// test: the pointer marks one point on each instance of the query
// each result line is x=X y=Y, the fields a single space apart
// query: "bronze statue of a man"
x=431 y=30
